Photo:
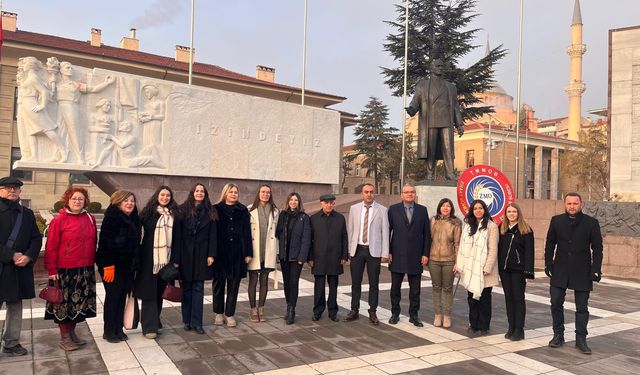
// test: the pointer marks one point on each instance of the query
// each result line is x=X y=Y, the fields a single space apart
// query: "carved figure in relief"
x=124 y=144
x=69 y=114
x=34 y=97
x=151 y=116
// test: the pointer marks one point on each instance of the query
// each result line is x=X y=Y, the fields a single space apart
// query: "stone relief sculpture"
x=125 y=144
x=617 y=219
x=68 y=92
x=34 y=98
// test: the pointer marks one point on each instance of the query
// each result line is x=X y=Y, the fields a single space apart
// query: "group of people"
x=224 y=242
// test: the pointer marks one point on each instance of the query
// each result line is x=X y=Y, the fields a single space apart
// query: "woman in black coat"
x=515 y=265
x=158 y=218
x=194 y=252
x=117 y=259
x=294 y=233
x=235 y=251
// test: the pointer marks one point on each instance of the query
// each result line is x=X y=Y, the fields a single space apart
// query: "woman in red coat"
x=69 y=258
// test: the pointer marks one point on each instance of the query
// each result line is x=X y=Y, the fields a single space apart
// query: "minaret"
x=576 y=87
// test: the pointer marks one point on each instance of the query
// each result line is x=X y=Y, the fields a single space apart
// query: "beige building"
x=43 y=188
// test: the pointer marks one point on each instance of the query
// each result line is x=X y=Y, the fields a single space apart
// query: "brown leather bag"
x=172 y=293
x=52 y=292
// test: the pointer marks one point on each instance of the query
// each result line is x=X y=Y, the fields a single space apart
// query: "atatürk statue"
x=437 y=102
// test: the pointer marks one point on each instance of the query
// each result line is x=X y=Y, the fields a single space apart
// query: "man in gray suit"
x=368 y=230
x=437 y=102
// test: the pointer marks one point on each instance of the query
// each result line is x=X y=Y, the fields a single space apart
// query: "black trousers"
x=151 y=309
x=363 y=257
x=114 y=301
x=514 y=284
x=319 y=302
x=219 y=304
x=414 y=293
x=291 y=276
x=480 y=310
x=557 y=310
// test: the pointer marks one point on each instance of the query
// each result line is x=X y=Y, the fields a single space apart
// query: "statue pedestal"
x=430 y=195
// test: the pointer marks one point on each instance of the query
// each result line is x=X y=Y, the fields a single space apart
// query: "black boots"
x=517 y=335
x=557 y=340
x=581 y=344
x=509 y=333
x=291 y=314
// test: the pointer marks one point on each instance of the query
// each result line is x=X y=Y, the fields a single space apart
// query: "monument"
x=94 y=121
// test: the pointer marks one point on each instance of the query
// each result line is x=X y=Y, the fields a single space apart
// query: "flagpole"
x=304 y=52
x=193 y=6
x=517 y=169
x=404 y=94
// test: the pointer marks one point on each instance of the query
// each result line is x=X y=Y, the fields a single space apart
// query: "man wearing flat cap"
x=20 y=243
x=329 y=251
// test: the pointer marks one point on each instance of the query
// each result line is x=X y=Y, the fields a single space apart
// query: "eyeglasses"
x=77 y=199
x=10 y=188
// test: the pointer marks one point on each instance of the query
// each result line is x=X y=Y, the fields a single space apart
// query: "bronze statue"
x=437 y=102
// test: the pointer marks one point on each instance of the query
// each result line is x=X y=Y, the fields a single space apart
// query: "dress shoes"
x=557 y=340
x=483 y=332
x=509 y=333
x=416 y=321
x=199 y=330
x=517 y=335
x=110 y=338
x=394 y=319
x=373 y=318
x=334 y=318
x=122 y=336
x=581 y=344
x=187 y=327
x=316 y=317
x=351 y=316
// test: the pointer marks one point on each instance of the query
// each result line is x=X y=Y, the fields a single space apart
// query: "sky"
x=344 y=41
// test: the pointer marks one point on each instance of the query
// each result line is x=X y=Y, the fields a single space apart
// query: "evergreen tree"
x=373 y=136
x=438 y=30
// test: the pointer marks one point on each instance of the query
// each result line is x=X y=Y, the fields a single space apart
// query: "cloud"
x=160 y=12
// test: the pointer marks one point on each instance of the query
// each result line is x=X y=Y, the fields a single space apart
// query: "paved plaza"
x=348 y=348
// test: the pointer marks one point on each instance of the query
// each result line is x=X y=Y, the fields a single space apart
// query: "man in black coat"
x=408 y=251
x=329 y=251
x=572 y=258
x=18 y=253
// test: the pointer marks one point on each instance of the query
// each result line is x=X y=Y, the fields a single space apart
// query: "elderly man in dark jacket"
x=20 y=243
x=329 y=251
x=572 y=258
x=408 y=251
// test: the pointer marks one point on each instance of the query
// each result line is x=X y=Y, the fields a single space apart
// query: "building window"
x=78 y=179
x=358 y=169
x=345 y=190
x=470 y=158
x=23 y=175
x=15 y=104
x=549 y=170
x=25 y=202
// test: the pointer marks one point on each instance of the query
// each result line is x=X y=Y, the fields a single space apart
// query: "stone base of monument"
x=430 y=196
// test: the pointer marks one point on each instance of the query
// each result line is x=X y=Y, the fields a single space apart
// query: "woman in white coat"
x=264 y=217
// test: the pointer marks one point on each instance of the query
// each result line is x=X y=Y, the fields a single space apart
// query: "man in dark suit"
x=408 y=251
x=572 y=259
x=20 y=243
x=437 y=102
x=329 y=251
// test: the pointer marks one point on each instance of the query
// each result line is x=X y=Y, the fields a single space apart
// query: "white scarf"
x=162 y=237
x=472 y=256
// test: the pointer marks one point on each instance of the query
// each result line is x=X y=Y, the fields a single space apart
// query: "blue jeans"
x=192 y=300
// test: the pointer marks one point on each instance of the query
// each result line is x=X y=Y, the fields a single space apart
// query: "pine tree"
x=373 y=136
x=438 y=30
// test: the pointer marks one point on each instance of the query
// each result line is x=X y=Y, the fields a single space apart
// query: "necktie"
x=365 y=226
x=409 y=213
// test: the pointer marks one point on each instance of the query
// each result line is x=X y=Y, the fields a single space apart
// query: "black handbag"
x=169 y=273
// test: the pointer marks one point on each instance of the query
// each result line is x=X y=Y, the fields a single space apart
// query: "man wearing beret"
x=329 y=251
x=20 y=243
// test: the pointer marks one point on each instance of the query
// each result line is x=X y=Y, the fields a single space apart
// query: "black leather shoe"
x=334 y=318
x=472 y=330
x=351 y=316
x=483 y=332
x=291 y=315
x=509 y=333
x=199 y=330
x=394 y=319
x=122 y=336
x=557 y=340
x=581 y=344
x=373 y=318
x=112 y=339
x=416 y=321
x=187 y=327
x=517 y=335
x=316 y=317
x=17 y=350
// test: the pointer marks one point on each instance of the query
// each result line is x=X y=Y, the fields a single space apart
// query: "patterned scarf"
x=162 y=237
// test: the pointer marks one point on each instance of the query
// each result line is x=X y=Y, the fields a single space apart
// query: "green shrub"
x=94 y=207
x=41 y=222
x=57 y=206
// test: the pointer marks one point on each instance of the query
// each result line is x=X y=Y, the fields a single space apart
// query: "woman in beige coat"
x=445 y=238
x=264 y=217
x=477 y=264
